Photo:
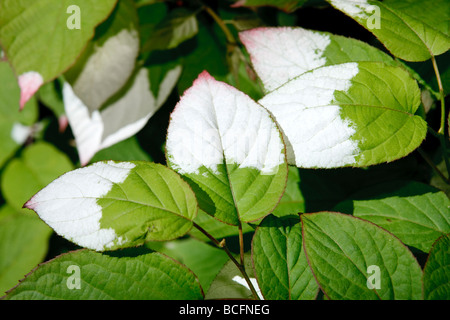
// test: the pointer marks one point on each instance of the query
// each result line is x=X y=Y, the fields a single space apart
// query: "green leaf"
x=229 y=149
x=14 y=125
x=50 y=94
x=280 y=262
x=204 y=260
x=39 y=164
x=416 y=213
x=412 y=30
x=436 y=280
x=23 y=244
x=354 y=259
x=34 y=36
x=127 y=150
x=178 y=26
x=351 y=114
x=111 y=205
x=292 y=201
x=127 y=275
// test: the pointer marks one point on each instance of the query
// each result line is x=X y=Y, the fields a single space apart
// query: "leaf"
x=412 y=30
x=127 y=150
x=436 y=281
x=416 y=213
x=99 y=129
x=292 y=201
x=351 y=114
x=229 y=149
x=202 y=52
x=50 y=94
x=128 y=275
x=285 y=5
x=280 y=262
x=38 y=165
x=23 y=244
x=178 y=26
x=204 y=260
x=34 y=33
x=15 y=126
x=111 y=205
x=280 y=54
x=230 y=283
x=110 y=58
x=346 y=255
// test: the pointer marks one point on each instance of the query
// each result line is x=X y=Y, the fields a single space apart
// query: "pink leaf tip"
x=29 y=83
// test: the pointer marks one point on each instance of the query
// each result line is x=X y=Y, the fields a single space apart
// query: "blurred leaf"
x=39 y=164
x=110 y=58
x=24 y=34
x=126 y=150
x=178 y=26
x=23 y=244
x=286 y=5
x=14 y=125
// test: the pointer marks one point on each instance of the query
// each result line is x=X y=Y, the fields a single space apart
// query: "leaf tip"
x=29 y=83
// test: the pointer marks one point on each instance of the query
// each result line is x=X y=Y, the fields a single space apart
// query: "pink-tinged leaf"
x=29 y=84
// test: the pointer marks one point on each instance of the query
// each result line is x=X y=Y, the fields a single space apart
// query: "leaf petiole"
x=240 y=266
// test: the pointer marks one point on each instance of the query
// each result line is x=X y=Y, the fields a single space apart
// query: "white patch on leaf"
x=354 y=8
x=69 y=203
x=215 y=123
x=107 y=68
x=316 y=136
x=121 y=119
x=281 y=54
x=29 y=83
x=244 y=283
x=87 y=128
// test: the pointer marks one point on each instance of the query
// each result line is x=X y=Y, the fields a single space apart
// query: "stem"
x=240 y=266
x=241 y=243
x=222 y=25
x=431 y=163
x=441 y=131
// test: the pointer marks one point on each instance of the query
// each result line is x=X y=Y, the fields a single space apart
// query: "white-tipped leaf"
x=351 y=114
x=122 y=118
x=110 y=205
x=223 y=141
x=280 y=54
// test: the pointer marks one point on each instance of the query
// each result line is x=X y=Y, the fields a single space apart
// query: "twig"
x=240 y=266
